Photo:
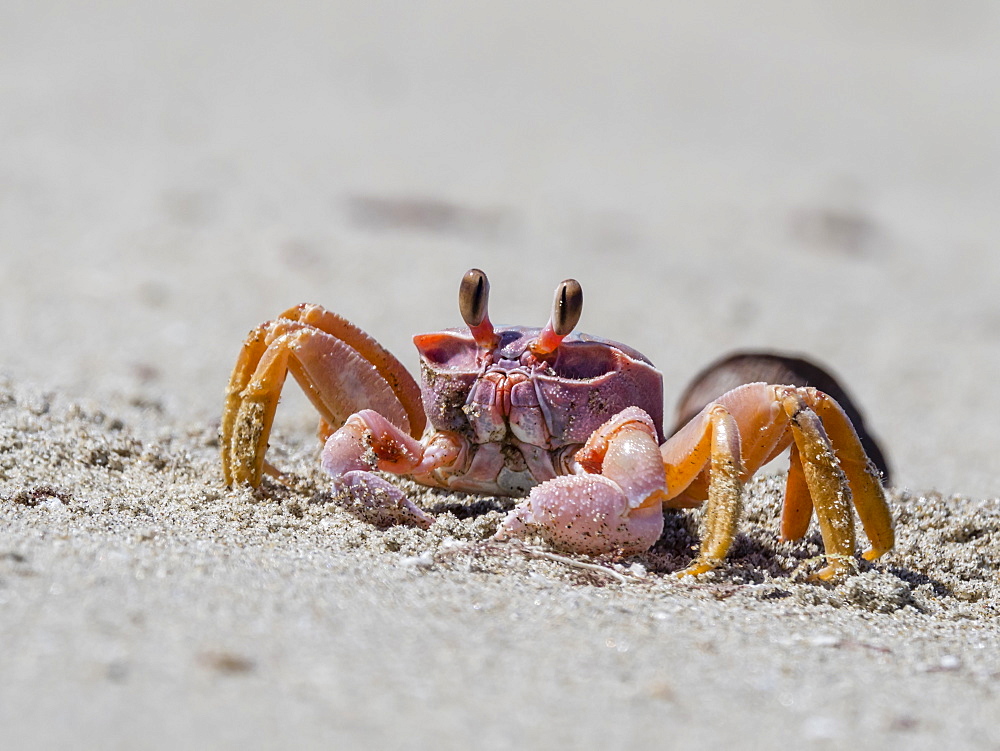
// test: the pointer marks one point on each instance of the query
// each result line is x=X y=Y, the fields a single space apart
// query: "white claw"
x=587 y=514
x=379 y=502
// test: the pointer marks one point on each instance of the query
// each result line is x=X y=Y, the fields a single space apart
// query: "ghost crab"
x=575 y=419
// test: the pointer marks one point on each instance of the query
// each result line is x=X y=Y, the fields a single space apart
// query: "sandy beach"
x=719 y=178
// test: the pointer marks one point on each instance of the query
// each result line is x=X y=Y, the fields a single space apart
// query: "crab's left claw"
x=614 y=505
x=379 y=502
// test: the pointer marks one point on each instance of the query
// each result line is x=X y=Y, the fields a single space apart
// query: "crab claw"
x=368 y=441
x=619 y=510
x=586 y=514
x=379 y=502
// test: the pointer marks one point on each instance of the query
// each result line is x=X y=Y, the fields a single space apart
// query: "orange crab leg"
x=866 y=487
x=336 y=392
x=340 y=368
x=797 y=508
x=247 y=420
x=253 y=349
x=403 y=385
x=713 y=439
x=828 y=485
x=687 y=452
x=828 y=470
x=685 y=456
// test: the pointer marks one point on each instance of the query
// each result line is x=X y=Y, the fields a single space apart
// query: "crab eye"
x=567 y=307
x=473 y=302
x=566 y=310
x=473 y=296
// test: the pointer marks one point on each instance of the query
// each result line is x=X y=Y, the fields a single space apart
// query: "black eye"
x=474 y=297
x=567 y=307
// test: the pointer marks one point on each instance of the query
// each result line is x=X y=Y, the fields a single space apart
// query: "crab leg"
x=829 y=469
x=340 y=368
x=797 y=508
x=827 y=483
x=253 y=349
x=385 y=363
x=862 y=475
x=768 y=367
x=248 y=416
x=714 y=438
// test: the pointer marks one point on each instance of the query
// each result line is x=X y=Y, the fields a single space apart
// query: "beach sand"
x=716 y=179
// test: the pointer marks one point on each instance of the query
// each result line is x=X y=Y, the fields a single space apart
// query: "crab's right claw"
x=615 y=507
x=368 y=442
x=378 y=501
x=340 y=368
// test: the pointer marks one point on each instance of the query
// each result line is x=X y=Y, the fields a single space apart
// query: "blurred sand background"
x=816 y=178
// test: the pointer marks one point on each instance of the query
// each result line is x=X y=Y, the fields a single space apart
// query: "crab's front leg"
x=367 y=442
x=614 y=503
x=339 y=367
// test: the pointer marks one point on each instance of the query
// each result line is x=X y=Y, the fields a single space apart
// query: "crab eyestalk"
x=473 y=301
x=566 y=310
